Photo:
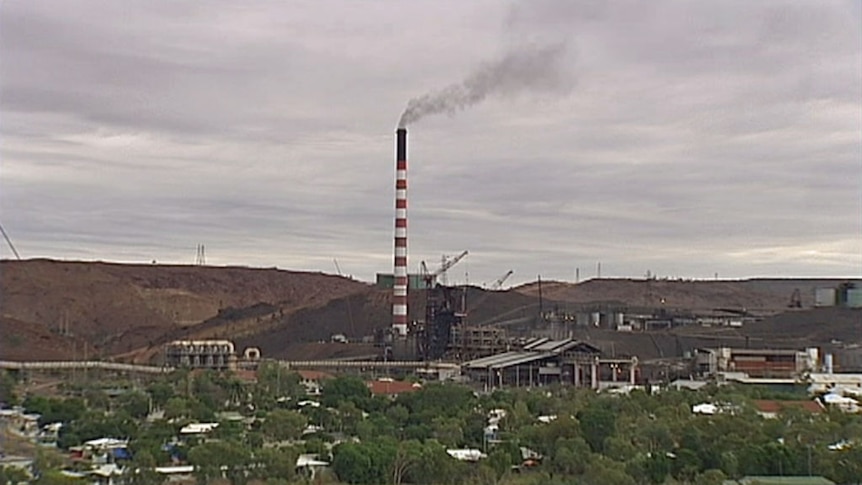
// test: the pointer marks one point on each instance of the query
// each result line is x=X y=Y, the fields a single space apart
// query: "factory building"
x=540 y=362
x=846 y=294
x=201 y=354
x=209 y=354
x=472 y=342
x=762 y=363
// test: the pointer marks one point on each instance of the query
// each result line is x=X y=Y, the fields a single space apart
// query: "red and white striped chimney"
x=399 y=295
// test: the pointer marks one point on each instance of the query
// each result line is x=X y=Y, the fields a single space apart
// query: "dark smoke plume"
x=536 y=69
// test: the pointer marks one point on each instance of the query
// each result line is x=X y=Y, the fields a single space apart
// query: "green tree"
x=620 y=448
x=604 y=471
x=657 y=467
x=435 y=466
x=348 y=416
x=343 y=389
x=279 y=463
x=8 y=385
x=500 y=462
x=282 y=424
x=438 y=399
x=711 y=477
x=352 y=465
x=407 y=456
x=209 y=458
x=570 y=456
x=273 y=382
x=53 y=410
x=160 y=392
x=597 y=424
x=141 y=471
x=54 y=477
x=685 y=465
x=97 y=399
x=176 y=407
x=447 y=431
x=519 y=416
x=135 y=404
x=94 y=424
x=13 y=475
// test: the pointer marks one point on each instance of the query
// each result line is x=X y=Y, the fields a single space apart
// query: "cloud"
x=699 y=137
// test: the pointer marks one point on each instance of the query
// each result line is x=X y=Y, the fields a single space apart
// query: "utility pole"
x=541 y=302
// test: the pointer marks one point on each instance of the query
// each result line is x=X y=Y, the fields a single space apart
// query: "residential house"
x=770 y=409
x=313 y=380
x=391 y=387
x=466 y=454
x=309 y=465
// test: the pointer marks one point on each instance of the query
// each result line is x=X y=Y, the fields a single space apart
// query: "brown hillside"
x=53 y=310
x=826 y=328
x=757 y=295
x=28 y=341
x=120 y=307
x=360 y=314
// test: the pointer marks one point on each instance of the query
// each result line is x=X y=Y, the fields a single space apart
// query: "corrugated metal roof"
x=522 y=359
x=536 y=350
x=495 y=360
x=552 y=345
x=535 y=343
x=483 y=361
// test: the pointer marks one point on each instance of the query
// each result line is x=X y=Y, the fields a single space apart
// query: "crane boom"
x=449 y=263
x=431 y=276
x=499 y=283
x=9 y=242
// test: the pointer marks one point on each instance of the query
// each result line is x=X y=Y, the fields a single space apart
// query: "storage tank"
x=813 y=358
x=824 y=297
x=854 y=298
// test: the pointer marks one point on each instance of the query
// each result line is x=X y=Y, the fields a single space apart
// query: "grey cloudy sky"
x=683 y=138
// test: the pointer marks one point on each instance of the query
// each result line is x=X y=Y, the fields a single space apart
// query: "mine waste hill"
x=56 y=310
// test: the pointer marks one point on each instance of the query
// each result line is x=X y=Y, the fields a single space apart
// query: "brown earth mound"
x=28 y=341
x=49 y=310
x=120 y=307
x=755 y=295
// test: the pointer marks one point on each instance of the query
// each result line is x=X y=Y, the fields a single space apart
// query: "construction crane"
x=499 y=283
x=9 y=242
x=445 y=265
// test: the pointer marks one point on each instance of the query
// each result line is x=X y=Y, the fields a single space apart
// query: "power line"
x=201 y=257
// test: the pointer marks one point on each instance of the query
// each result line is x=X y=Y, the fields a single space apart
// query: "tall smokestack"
x=399 y=295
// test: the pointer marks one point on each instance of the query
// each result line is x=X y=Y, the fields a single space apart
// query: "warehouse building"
x=540 y=362
x=760 y=363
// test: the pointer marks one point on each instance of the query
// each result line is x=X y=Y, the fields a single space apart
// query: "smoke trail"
x=534 y=69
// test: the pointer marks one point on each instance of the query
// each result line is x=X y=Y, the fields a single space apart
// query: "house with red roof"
x=312 y=380
x=769 y=409
x=391 y=387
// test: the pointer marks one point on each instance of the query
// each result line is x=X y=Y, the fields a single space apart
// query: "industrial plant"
x=599 y=333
